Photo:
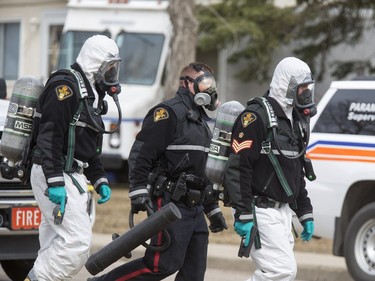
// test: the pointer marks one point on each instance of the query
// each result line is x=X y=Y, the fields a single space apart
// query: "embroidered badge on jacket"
x=247 y=118
x=160 y=114
x=63 y=92
x=238 y=146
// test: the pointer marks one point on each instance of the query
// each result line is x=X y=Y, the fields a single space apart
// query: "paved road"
x=212 y=274
x=224 y=265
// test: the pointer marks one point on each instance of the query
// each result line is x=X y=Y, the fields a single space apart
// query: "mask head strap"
x=186 y=79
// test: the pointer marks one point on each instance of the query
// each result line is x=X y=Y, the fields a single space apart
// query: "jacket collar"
x=280 y=112
x=193 y=110
x=76 y=67
x=277 y=108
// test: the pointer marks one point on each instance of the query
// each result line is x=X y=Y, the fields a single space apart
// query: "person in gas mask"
x=66 y=148
x=265 y=171
x=173 y=144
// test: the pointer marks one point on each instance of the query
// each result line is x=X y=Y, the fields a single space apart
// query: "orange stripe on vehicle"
x=343 y=151
x=342 y=154
x=342 y=159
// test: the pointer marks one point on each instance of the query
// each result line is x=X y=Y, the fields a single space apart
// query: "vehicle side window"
x=350 y=111
x=9 y=50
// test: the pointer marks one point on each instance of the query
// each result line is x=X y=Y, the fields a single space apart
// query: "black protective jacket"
x=249 y=171
x=57 y=106
x=174 y=134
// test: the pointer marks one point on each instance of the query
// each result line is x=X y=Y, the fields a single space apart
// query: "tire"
x=17 y=270
x=359 y=244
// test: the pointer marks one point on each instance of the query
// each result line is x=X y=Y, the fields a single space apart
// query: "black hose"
x=303 y=151
x=97 y=126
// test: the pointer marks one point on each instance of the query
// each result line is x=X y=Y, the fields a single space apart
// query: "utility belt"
x=265 y=202
x=77 y=166
x=188 y=188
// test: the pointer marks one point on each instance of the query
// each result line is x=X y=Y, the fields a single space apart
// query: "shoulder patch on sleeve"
x=160 y=114
x=247 y=118
x=63 y=92
x=238 y=146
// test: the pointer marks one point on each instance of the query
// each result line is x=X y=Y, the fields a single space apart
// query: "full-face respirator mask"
x=303 y=102
x=107 y=81
x=107 y=76
x=205 y=90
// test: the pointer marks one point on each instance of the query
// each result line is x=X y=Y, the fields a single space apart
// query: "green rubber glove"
x=308 y=231
x=57 y=195
x=244 y=229
x=105 y=194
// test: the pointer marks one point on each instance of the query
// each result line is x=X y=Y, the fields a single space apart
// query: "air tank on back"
x=220 y=142
x=19 y=120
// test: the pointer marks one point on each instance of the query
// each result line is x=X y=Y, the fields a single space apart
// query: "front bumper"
x=18 y=246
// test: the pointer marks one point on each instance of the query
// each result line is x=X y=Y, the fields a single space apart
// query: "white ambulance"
x=342 y=149
x=142 y=31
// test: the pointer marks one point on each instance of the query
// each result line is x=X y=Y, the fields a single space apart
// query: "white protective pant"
x=275 y=260
x=64 y=249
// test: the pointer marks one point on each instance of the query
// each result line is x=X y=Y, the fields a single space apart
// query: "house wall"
x=36 y=49
x=35 y=18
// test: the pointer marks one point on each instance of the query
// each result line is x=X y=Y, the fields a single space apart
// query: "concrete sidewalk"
x=311 y=266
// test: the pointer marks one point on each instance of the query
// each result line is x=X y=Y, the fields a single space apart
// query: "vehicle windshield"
x=140 y=54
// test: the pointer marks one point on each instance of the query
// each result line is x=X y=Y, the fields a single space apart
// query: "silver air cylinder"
x=220 y=142
x=19 y=121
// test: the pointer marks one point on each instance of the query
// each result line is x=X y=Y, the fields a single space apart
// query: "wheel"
x=17 y=270
x=359 y=247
